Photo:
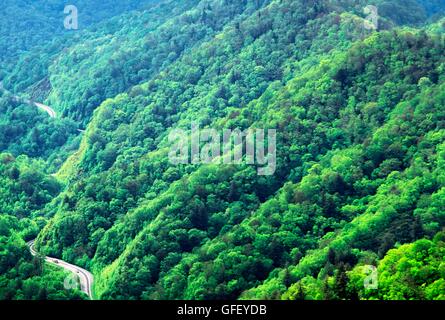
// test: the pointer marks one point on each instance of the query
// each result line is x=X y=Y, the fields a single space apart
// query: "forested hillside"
x=19 y=17
x=360 y=172
x=25 y=189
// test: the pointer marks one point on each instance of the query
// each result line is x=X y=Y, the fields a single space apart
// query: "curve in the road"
x=85 y=277
x=50 y=111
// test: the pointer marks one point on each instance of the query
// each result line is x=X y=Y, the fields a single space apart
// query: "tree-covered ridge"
x=316 y=203
x=24 y=190
x=406 y=205
x=25 y=130
x=24 y=186
x=24 y=277
x=79 y=71
x=360 y=120
x=357 y=94
x=45 y=19
x=125 y=129
x=122 y=52
x=412 y=271
x=420 y=271
x=136 y=54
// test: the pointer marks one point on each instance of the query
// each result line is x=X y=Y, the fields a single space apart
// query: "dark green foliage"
x=26 y=130
x=360 y=151
x=24 y=190
x=23 y=277
x=24 y=187
x=175 y=233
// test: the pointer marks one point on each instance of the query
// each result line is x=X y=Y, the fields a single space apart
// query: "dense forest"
x=360 y=154
x=25 y=189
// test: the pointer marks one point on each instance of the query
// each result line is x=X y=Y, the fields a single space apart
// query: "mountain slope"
x=359 y=155
x=164 y=228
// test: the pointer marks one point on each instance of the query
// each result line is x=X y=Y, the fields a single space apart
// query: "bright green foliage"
x=410 y=272
x=24 y=187
x=24 y=130
x=24 y=190
x=413 y=271
x=23 y=277
x=360 y=150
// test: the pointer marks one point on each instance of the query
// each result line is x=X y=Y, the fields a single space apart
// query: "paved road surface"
x=85 y=277
x=50 y=111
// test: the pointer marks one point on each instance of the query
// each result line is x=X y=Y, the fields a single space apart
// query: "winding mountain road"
x=47 y=109
x=50 y=111
x=85 y=277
